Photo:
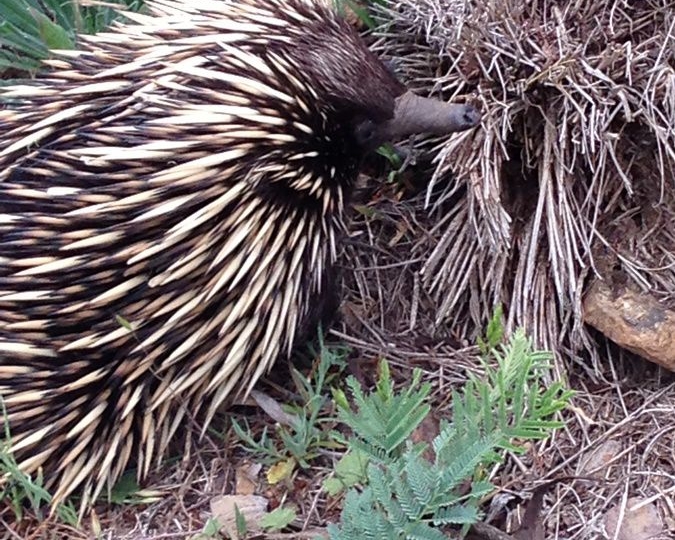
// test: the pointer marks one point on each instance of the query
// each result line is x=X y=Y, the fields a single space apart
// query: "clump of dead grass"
x=572 y=174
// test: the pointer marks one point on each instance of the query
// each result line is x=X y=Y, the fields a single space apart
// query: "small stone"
x=246 y=478
x=636 y=321
x=643 y=523
x=251 y=507
x=596 y=462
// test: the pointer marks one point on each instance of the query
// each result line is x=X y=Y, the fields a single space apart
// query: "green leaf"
x=422 y=479
x=340 y=398
x=422 y=531
x=124 y=323
x=366 y=211
x=494 y=332
x=333 y=486
x=29 y=28
x=456 y=515
x=240 y=522
x=124 y=489
x=53 y=35
x=278 y=519
x=360 y=11
x=211 y=528
x=387 y=151
x=349 y=471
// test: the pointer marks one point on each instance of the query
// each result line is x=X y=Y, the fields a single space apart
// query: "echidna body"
x=170 y=201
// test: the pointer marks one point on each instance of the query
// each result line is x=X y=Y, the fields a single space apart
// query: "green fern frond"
x=456 y=515
x=405 y=495
x=458 y=460
x=423 y=480
x=422 y=531
x=384 y=420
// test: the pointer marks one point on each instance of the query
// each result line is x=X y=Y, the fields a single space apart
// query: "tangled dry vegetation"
x=572 y=177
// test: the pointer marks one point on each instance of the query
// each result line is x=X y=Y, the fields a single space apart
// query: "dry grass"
x=573 y=173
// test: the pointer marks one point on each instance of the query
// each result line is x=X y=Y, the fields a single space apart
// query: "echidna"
x=171 y=196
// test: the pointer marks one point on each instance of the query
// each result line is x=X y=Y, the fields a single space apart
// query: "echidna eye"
x=365 y=132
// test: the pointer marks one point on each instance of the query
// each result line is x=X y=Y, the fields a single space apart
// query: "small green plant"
x=30 y=28
x=278 y=519
x=18 y=489
x=393 y=491
x=360 y=9
x=395 y=161
x=211 y=530
x=306 y=436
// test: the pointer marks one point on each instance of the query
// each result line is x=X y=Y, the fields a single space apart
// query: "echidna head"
x=350 y=101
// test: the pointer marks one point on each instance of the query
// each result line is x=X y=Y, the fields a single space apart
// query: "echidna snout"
x=415 y=114
x=171 y=203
